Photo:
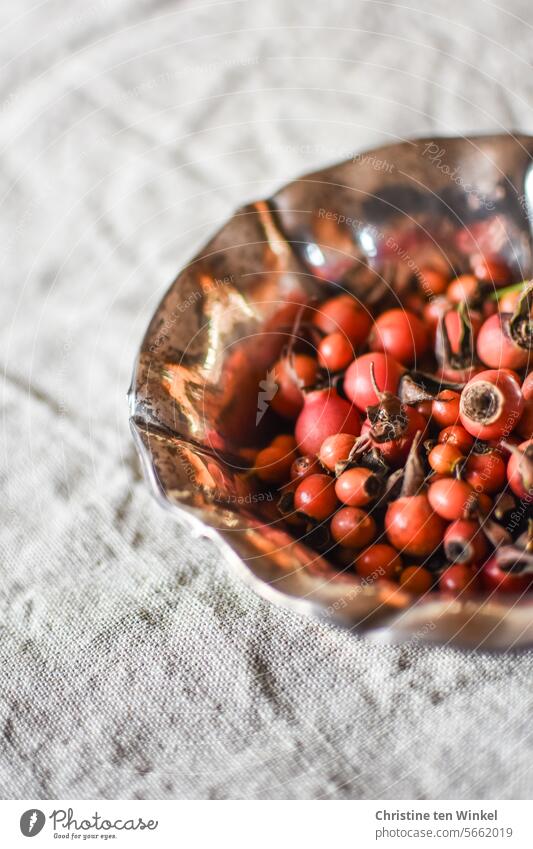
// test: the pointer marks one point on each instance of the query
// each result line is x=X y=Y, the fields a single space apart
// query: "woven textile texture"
x=133 y=664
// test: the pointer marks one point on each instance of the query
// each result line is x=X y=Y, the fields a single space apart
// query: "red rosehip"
x=335 y=352
x=496 y=579
x=285 y=440
x=452 y=498
x=458 y=580
x=335 y=449
x=444 y=457
x=273 y=464
x=324 y=413
x=491 y=404
x=315 y=496
x=486 y=472
x=395 y=451
x=304 y=466
x=465 y=542
x=346 y=315
x=352 y=527
x=290 y=376
x=445 y=410
x=412 y=526
x=458 y=436
x=401 y=334
x=432 y=282
x=416 y=580
x=453 y=323
x=464 y=288
x=497 y=348
x=358 y=380
x=492 y=269
x=357 y=487
x=378 y=561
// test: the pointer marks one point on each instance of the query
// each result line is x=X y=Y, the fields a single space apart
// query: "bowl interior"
x=200 y=394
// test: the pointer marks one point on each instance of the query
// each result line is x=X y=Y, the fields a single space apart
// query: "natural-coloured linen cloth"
x=133 y=662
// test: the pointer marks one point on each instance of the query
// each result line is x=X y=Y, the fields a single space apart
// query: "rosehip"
x=401 y=334
x=458 y=580
x=304 y=466
x=335 y=352
x=395 y=451
x=352 y=527
x=335 y=449
x=412 y=526
x=452 y=498
x=497 y=348
x=273 y=464
x=465 y=288
x=285 y=440
x=454 y=353
x=458 y=436
x=416 y=580
x=443 y=458
x=445 y=410
x=486 y=472
x=432 y=282
x=290 y=376
x=496 y=579
x=491 y=404
x=357 y=487
x=378 y=561
x=344 y=314
x=315 y=496
x=464 y=542
x=492 y=269
x=358 y=380
x=453 y=323
x=324 y=413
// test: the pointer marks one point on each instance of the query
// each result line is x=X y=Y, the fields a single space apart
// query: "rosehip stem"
x=414 y=474
x=419 y=386
x=375 y=387
x=362 y=443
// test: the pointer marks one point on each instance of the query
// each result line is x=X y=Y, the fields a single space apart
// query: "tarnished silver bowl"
x=199 y=395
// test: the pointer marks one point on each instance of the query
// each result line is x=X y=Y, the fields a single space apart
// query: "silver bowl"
x=199 y=394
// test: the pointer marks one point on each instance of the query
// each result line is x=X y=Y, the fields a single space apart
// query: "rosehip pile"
x=410 y=452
